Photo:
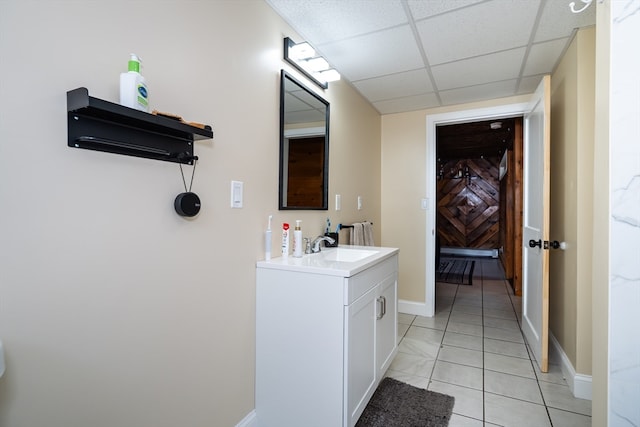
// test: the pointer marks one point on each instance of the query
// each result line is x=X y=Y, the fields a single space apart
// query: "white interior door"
x=535 y=256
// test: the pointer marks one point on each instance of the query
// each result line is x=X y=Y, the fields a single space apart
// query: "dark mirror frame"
x=286 y=78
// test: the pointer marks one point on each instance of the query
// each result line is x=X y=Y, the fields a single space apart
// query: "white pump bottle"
x=133 y=87
x=297 y=240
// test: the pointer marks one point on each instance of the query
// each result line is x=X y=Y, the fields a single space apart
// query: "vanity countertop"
x=343 y=261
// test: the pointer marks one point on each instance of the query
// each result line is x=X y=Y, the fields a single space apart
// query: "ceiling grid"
x=405 y=55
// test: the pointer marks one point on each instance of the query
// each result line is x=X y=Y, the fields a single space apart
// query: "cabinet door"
x=386 y=323
x=360 y=363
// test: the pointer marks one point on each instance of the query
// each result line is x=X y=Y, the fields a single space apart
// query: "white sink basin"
x=343 y=261
x=346 y=254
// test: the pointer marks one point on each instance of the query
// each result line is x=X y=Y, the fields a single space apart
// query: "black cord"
x=195 y=162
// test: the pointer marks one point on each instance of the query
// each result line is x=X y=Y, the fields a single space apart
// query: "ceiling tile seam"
x=532 y=35
x=423 y=54
x=450 y=90
x=378 y=76
x=454 y=10
x=478 y=56
x=568 y=36
x=529 y=76
x=515 y=79
x=357 y=36
x=478 y=85
x=415 y=95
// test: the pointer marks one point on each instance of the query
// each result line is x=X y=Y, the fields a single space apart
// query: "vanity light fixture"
x=306 y=60
x=301 y=51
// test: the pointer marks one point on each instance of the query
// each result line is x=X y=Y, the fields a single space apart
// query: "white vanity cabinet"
x=326 y=332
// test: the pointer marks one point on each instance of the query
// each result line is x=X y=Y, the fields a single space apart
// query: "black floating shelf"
x=101 y=125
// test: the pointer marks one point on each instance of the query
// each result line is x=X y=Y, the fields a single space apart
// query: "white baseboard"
x=415 y=308
x=249 y=421
x=579 y=384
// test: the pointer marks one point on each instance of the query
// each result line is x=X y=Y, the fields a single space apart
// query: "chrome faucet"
x=315 y=246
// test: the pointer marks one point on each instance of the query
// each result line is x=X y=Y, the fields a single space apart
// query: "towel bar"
x=350 y=226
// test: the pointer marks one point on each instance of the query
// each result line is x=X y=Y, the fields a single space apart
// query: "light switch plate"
x=424 y=203
x=338 y=202
x=237 y=188
x=359 y=203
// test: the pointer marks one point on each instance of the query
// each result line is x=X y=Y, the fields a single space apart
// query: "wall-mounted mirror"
x=304 y=147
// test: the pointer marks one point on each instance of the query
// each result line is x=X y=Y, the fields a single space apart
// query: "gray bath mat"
x=397 y=404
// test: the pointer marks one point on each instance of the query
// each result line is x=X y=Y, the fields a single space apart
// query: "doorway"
x=433 y=121
x=479 y=193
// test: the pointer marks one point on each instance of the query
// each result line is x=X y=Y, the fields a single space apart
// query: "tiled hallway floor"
x=473 y=349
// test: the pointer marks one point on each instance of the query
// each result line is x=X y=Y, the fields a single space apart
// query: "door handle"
x=383 y=307
x=554 y=245
x=547 y=244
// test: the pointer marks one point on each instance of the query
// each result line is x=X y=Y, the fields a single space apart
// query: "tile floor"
x=473 y=349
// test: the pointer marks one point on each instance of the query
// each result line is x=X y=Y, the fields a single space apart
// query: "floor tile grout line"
x=484 y=406
x=486 y=295
x=533 y=364
x=453 y=301
x=516 y=398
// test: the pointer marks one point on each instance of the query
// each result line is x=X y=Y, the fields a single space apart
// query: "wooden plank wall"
x=511 y=213
x=468 y=207
x=306 y=168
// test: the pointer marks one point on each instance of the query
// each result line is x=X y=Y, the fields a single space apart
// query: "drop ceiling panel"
x=479 y=70
x=473 y=49
x=543 y=56
x=421 y=9
x=558 y=21
x=395 y=85
x=477 y=30
x=330 y=20
x=385 y=52
x=478 y=93
x=409 y=103
x=529 y=84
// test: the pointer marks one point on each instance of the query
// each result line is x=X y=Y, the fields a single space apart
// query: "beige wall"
x=114 y=310
x=572 y=118
x=404 y=161
x=404 y=184
x=601 y=215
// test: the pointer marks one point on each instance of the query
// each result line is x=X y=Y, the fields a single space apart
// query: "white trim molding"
x=249 y=421
x=414 y=308
x=579 y=384
x=433 y=120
